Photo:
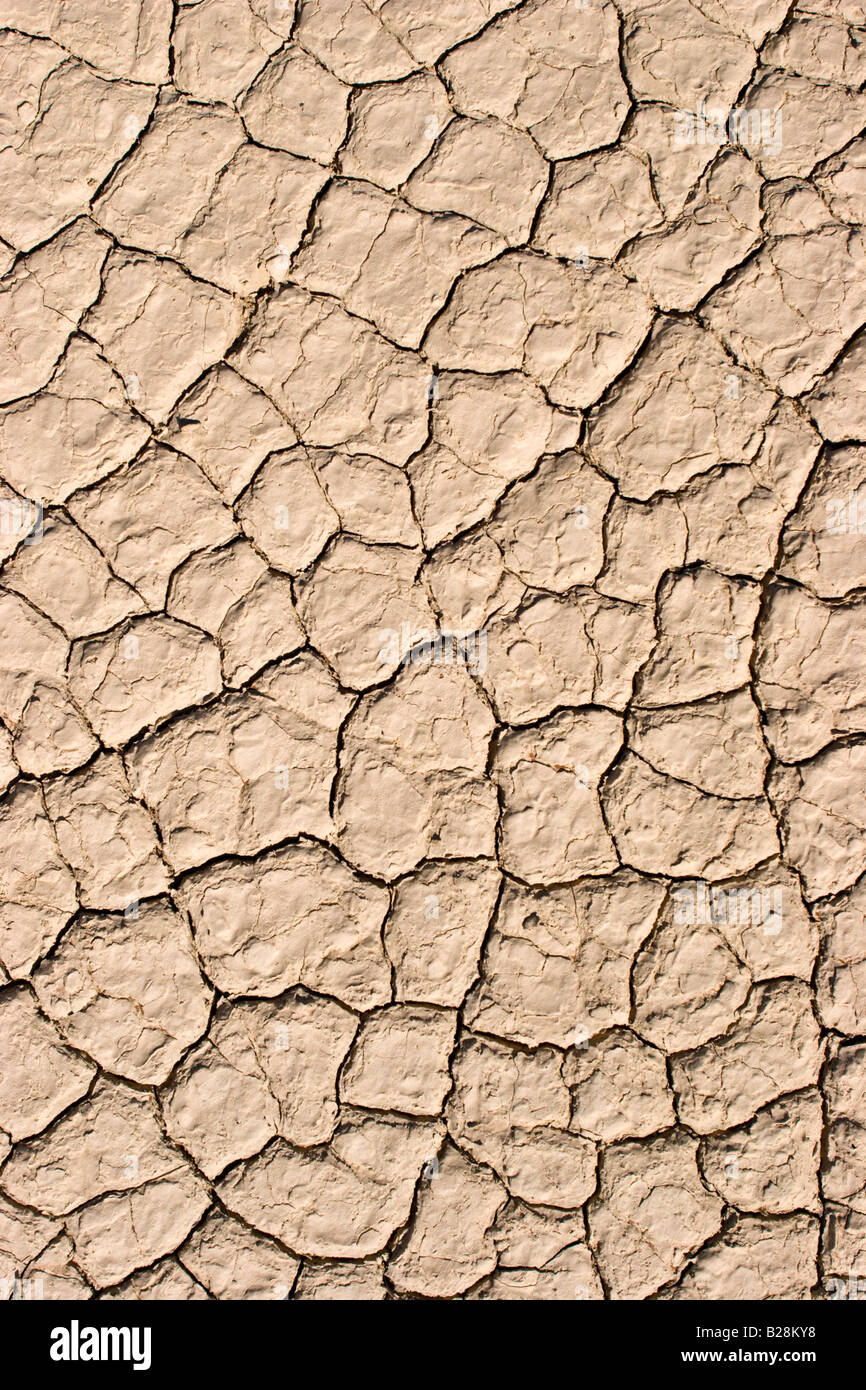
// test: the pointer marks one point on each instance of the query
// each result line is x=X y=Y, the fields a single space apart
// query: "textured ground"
x=433 y=689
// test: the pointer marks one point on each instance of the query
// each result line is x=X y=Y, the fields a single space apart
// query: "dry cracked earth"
x=433 y=689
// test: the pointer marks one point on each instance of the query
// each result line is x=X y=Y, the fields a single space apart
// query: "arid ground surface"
x=432 y=658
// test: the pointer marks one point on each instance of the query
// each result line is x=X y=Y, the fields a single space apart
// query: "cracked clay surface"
x=432 y=656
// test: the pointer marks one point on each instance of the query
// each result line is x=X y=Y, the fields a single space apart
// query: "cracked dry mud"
x=433 y=825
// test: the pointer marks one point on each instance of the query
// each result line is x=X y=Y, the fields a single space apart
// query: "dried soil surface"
x=432 y=657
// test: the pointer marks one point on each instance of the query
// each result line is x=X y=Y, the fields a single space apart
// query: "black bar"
x=191 y=1340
